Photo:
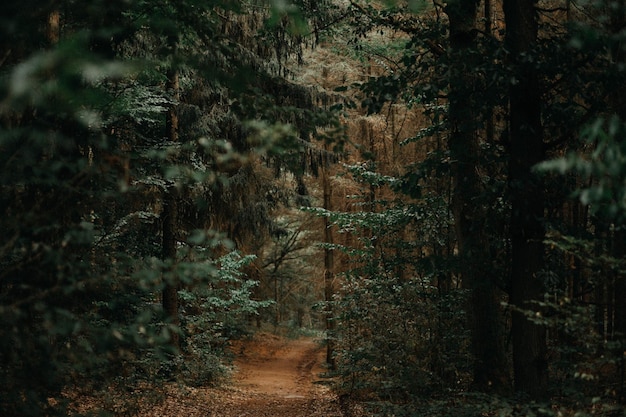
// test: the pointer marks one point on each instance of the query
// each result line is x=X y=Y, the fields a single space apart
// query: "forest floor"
x=274 y=377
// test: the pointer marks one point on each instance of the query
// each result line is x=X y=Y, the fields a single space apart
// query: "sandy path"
x=277 y=377
x=274 y=377
x=286 y=372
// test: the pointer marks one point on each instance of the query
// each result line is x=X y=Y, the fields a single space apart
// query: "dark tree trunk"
x=619 y=250
x=490 y=369
x=170 y=289
x=619 y=310
x=169 y=216
x=527 y=202
x=329 y=271
x=171 y=123
x=618 y=304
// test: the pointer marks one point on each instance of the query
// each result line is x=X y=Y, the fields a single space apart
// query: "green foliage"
x=69 y=310
x=84 y=165
x=399 y=331
x=588 y=361
x=214 y=312
x=580 y=66
x=604 y=165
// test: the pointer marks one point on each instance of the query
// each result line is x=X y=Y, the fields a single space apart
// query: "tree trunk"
x=169 y=215
x=618 y=302
x=527 y=201
x=619 y=309
x=490 y=371
x=329 y=271
x=54 y=27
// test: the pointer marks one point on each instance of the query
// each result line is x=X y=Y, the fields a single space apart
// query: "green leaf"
x=196 y=237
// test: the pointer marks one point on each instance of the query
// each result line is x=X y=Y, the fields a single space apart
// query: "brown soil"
x=273 y=377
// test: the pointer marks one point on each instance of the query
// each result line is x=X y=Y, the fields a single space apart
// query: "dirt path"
x=285 y=370
x=274 y=377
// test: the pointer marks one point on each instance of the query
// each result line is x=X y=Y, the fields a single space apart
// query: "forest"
x=434 y=189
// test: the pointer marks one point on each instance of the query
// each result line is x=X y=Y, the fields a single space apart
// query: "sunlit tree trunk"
x=527 y=201
x=54 y=27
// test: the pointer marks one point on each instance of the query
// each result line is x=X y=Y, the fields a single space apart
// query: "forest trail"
x=274 y=377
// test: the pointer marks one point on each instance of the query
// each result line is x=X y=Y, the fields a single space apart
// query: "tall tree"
x=527 y=199
x=329 y=264
x=470 y=210
x=617 y=23
x=169 y=217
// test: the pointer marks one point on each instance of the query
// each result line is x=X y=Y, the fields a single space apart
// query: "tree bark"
x=619 y=309
x=170 y=290
x=54 y=27
x=618 y=302
x=527 y=201
x=329 y=271
x=169 y=215
x=490 y=369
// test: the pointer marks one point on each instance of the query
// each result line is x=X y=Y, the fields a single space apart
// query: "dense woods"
x=438 y=189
